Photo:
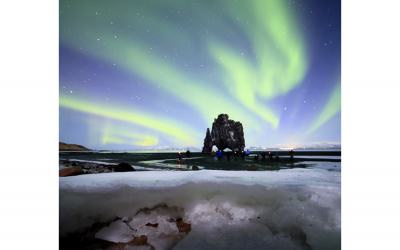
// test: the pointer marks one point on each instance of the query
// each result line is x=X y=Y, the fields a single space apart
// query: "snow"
x=226 y=209
x=118 y=231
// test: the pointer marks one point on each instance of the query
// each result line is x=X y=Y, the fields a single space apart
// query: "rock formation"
x=225 y=133
x=71 y=147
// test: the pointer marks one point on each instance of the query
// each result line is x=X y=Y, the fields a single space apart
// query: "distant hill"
x=71 y=147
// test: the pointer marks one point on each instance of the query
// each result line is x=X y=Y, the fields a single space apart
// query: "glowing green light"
x=165 y=125
x=332 y=107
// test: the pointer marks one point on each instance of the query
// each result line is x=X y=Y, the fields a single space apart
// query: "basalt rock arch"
x=225 y=133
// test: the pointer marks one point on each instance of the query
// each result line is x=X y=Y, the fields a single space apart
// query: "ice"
x=296 y=208
x=118 y=231
x=61 y=166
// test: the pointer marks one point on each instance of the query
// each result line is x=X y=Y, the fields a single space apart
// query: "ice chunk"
x=118 y=231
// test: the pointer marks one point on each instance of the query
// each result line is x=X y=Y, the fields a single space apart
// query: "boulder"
x=225 y=133
x=89 y=165
x=77 y=170
x=195 y=168
x=123 y=167
x=251 y=168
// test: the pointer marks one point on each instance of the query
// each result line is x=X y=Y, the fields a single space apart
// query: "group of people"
x=187 y=155
x=245 y=155
x=218 y=155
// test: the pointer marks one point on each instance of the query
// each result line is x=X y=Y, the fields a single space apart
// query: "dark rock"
x=195 y=168
x=73 y=164
x=207 y=142
x=77 y=170
x=251 y=168
x=123 y=167
x=225 y=133
x=89 y=165
x=152 y=225
x=183 y=227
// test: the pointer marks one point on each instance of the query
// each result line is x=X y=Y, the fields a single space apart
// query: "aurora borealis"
x=134 y=74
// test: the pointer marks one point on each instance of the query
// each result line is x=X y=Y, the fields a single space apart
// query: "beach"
x=282 y=204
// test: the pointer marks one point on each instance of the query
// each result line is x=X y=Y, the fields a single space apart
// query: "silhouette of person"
x=188 y=154
x=247 y=154
x=236 y=155
x=263 y=155
x=180 y=156
x=219 y=155
x=228 y=155
x=243 y=155
x=256 y=157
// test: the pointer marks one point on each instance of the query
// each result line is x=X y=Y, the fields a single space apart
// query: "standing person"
x=247 y=154
x=180 y=156
x=263 y=155
x=276 y=156
x=256 y=157
x=228 y=155
x=219 y=155
x=188 y=154
x=270 y=156
x=236 y=155
x=243 y=155
x=213 y=154
x=291 y=154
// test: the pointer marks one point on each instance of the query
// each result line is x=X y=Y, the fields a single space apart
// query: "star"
x=285 y=108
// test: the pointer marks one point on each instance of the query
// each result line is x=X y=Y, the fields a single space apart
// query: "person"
x=213 y=154
x=236 y=155
x=256 y=157
x=188 y=154
x=277 y=156
x=270 y=156
x=263 y=155
x=291 y=154
x=247 y=154
x=219 y=155
x=228 y=155
x=180 y=156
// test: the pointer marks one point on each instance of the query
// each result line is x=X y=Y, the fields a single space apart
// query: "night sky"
x=138 y=74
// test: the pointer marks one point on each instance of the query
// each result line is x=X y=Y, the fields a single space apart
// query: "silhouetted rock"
x=207 y=142
x=123 y=167
x=77 y=170
x=195 y=168
x=225 y=133
x=251 y=168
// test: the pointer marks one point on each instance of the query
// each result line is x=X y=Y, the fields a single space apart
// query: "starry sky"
x=139 y=74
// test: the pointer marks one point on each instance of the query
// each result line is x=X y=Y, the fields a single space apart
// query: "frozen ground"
x=297 y=208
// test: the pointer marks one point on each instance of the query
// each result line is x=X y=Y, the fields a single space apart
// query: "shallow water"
x=202 y=161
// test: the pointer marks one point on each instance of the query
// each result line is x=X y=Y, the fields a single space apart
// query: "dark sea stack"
x=207 y=142
x=123 y=167
x=225 y=133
